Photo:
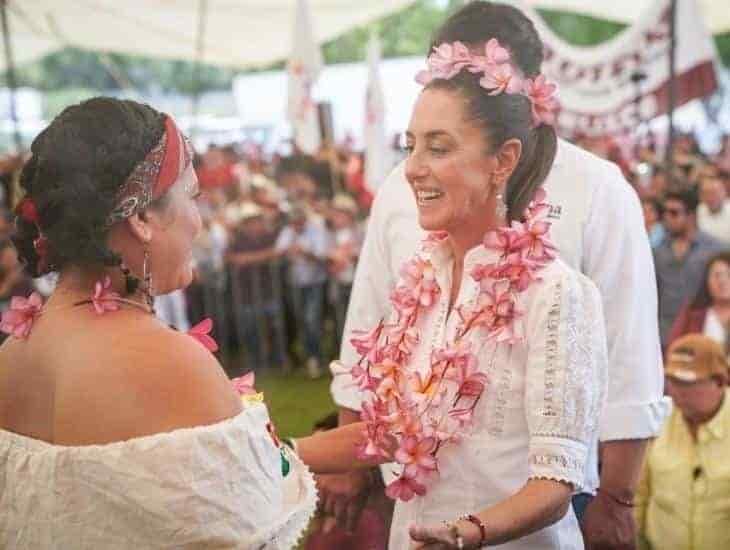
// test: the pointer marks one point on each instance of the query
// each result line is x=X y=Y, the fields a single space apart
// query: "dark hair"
x=703 y=299
x=504 y=116
x=687 y=196
x=78 y=165
x=656 y=204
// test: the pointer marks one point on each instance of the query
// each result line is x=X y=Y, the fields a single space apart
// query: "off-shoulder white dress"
x=216 y=486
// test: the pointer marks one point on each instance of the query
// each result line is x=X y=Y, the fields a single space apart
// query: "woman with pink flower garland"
x=116 y=431
x=489 y=375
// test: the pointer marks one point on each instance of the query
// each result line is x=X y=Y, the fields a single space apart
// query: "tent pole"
x=199 y=50
x=10 y=71
x=672 y=87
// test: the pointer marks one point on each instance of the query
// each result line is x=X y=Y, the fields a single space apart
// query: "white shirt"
x=538 y=416
x=313 y=239
x=716 y=224
x=597 y=224
x=713 y=327
x=216 y=486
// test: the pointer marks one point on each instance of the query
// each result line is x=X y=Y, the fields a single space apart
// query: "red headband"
x=152 y=177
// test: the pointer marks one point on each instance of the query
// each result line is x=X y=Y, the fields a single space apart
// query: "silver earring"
x=501 y=208
x=147 y=278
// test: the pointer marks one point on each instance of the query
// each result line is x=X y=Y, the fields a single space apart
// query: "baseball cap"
x=696 y=357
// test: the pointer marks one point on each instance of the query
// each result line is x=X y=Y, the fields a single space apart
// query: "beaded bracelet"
x=482 y=528
x=622 y=502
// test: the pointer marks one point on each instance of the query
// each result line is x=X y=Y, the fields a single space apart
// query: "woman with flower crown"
x=488 y=377
x=116 y=431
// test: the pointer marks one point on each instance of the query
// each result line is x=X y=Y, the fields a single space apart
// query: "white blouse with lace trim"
x=217 y=486
x=538 y=416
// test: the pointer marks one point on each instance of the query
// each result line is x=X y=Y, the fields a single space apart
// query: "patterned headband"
x=152 y=177
x=499 y=76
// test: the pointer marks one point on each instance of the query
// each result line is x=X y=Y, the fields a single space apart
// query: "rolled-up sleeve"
x=566 y=376
x=617 y=257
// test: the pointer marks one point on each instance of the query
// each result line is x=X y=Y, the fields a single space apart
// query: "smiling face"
x=718 y=282
x=175 y=227
x=449 y=167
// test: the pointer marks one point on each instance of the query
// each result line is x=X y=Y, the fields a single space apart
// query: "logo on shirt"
x=555 y=212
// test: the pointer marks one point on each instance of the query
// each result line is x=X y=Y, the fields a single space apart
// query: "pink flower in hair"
x=18 y=320
x=542 y=97
x=104 y=299
x=445 y=62
x=244 y=385
x=494 y=53
x=201 y=332
x=500 y=79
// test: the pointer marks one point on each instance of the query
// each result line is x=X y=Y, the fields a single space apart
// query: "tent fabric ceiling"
x=238 y=33
x=716 y=13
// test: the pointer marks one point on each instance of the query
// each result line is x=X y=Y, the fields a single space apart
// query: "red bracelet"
x=482 y=528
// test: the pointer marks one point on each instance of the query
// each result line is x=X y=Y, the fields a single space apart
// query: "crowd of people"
x=514 y=394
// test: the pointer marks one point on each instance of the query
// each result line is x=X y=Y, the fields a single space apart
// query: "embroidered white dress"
x=217 y=486
x=538 y=416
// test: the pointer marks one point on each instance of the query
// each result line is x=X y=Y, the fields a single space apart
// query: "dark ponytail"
x=538 y=154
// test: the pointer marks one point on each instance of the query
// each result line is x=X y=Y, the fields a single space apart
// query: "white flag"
x=303 y=67
x=376 y=148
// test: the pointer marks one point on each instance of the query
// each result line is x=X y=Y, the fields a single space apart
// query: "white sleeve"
x=617 y=257
x=566 y=377
x=369 y=300
x=284 y=240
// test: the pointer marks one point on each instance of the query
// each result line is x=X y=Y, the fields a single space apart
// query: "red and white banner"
x=597 y=93
x=303 y=68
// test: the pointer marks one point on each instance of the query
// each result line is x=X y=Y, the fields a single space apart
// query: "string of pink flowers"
x=417 y=415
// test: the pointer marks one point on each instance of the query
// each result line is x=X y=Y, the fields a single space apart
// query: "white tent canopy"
x=716 y=12
x=237 y=33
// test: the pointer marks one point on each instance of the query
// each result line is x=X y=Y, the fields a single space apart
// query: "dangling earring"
x=131 y=283
x=501 y=207
x=147 y=278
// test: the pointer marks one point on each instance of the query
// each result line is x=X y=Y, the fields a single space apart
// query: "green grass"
x=295 y=402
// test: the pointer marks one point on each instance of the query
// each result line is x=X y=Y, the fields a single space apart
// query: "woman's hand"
x=444 y=536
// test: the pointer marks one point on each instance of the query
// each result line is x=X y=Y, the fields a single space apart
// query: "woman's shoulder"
x=147 y=379
x=558 y=276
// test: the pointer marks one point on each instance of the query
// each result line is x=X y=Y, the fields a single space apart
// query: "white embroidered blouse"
x=217 y=486
x=539 y=414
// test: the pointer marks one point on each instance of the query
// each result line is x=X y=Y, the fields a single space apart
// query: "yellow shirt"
x=683 y=502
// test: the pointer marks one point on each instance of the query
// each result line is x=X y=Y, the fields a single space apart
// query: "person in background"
x=682 y=502
x=255 y=287
x=681 y=259
x=653 y=212
x=713 y=212
x=6 y=223
x=13 y=280
x=304 y=243
x=346 y=242
x=709 y=312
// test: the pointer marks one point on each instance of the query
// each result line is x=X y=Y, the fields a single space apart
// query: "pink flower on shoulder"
x=405 y=488
x=244 y=385
x=18 y=320
x=104 y=299
x=365 y=342
x=541 y=94
x=201 y=332
x=534 y=240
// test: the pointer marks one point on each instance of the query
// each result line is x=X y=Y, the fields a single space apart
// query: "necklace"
x=425 y=412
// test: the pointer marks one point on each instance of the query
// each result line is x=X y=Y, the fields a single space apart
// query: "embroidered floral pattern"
x=420 y=412
x=18 y=320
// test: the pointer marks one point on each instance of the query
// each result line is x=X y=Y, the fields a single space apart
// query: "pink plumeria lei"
x=499 y=75
x=18 y=320
x=420 y=414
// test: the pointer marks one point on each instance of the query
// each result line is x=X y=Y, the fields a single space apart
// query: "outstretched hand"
x=344 y=496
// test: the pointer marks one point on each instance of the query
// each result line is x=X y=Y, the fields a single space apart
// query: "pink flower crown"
x=499 y=76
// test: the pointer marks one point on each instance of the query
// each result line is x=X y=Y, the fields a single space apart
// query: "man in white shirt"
x=598 y=227
x=713 y=213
